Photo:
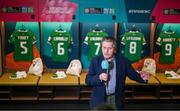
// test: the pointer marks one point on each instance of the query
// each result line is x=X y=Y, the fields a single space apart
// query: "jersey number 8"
x=132 y=48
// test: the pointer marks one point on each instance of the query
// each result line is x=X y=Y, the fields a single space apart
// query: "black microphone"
x=111 y=65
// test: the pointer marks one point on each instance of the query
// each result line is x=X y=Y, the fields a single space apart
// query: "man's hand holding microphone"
x=107 y=66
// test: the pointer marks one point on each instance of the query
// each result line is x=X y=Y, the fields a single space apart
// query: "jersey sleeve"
x=158 y=42
x=49 y=41
x=144 y=40
x=123 y=40
x=12 y=37
x=70 y=38
x=70 y=41
x=86 y=40
x=33 y=37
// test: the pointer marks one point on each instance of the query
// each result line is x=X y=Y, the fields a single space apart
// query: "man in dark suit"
x=108 y=85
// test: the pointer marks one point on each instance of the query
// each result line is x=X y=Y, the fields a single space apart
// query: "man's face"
x=108 y=49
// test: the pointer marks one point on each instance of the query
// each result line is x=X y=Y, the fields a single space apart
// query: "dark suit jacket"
x=123 y=69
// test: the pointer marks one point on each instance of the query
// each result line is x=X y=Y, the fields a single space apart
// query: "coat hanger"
x=133 y=28
x=22 y=28
x=97 y=28
x=169 y=29
x=60 y=28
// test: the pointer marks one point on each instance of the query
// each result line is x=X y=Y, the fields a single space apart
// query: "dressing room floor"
x=83 y=105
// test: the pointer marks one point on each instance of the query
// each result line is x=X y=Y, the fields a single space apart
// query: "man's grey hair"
x=110 y=39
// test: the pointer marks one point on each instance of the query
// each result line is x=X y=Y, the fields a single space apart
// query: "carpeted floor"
x=84 y=105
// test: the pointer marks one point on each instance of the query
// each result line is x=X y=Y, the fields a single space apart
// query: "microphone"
x=111 y=65
x=105 y=66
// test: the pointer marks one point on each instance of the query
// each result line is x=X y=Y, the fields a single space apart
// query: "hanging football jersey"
x=23 y=41
x=133 y=41
x=60 y=40
x=168 y=42
x=93 y=40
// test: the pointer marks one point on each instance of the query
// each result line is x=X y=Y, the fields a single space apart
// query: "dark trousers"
x=110 y=99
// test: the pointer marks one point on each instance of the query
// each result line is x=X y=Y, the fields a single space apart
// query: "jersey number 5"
x=24 y=48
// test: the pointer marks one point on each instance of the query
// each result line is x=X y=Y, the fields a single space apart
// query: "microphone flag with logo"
x=105 y=66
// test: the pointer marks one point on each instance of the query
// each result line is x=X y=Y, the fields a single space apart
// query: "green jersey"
x=133 y=41
x=93 y=40
x=60 y=41
x=23 y=40
x=168 y=42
